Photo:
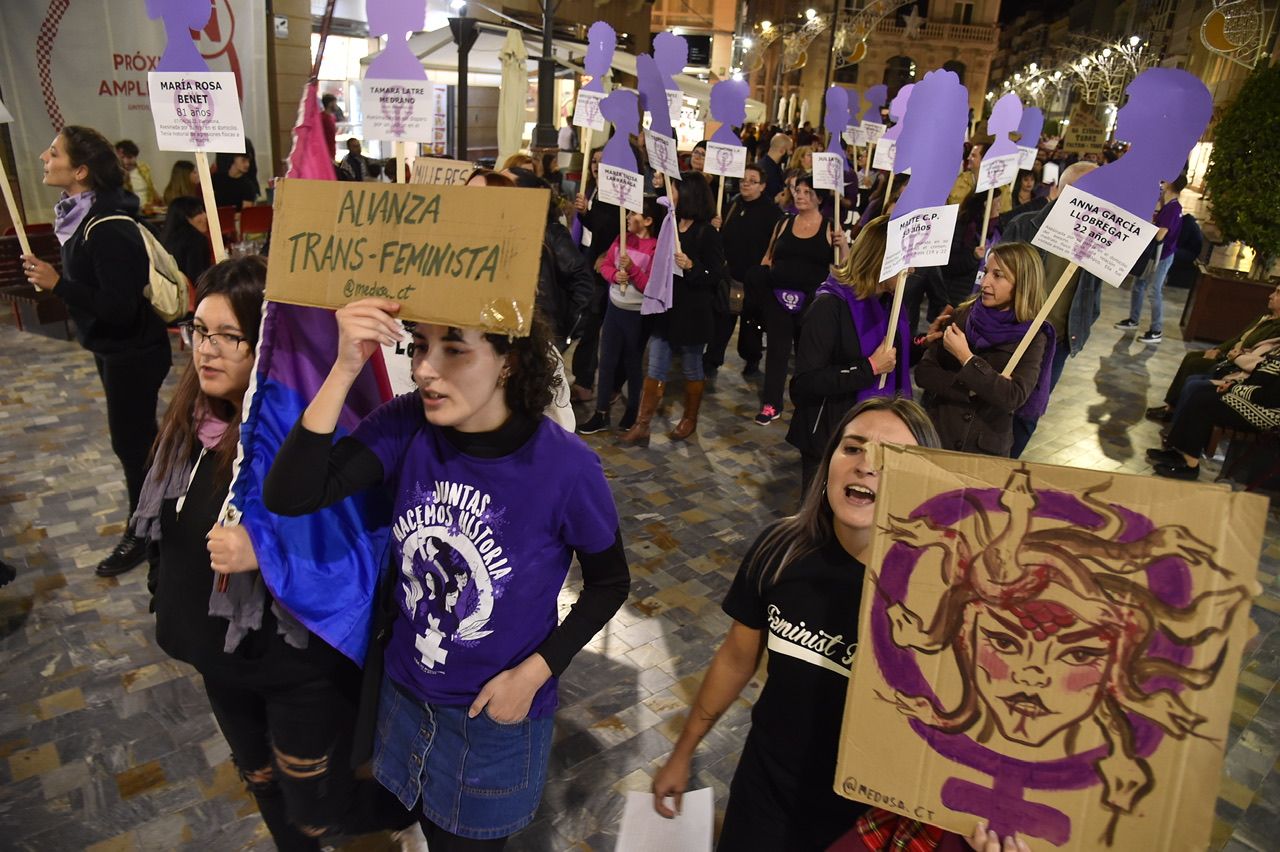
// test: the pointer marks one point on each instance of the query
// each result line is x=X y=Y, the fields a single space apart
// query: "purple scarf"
x=871 y=321
x=68 y=213
x=987 y=328
x=659 y=293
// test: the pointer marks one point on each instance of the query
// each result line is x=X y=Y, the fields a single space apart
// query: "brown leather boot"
x=638 y=435
x=689 y=420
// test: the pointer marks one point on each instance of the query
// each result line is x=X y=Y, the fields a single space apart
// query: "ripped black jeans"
x=292 y=745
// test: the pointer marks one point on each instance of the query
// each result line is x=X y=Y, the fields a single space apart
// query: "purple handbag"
x=792 y=300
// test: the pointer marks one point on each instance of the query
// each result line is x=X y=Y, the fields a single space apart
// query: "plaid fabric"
x=883 y=831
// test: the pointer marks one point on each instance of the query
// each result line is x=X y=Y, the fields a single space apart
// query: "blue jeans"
x=621 y=341
x=1151 y=281
x=475 y=778
x=661 y=352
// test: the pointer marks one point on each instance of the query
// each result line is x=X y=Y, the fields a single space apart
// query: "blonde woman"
x=802 y=159
x=970 y=402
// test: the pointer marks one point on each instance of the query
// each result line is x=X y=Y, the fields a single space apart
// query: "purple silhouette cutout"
x=1167 y=112
x=601 y=42
x=653 y=96
x=875 y=98
x=1005 y=118
x=622 y=108
x=671 y=52
x=395 y=19
x=1030 y=127
x=931 y=140
x=729 y=107
x=837 y=118
x=898 y=112
x=180 y=17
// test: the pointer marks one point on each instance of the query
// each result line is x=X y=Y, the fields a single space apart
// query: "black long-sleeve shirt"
x=745 y=232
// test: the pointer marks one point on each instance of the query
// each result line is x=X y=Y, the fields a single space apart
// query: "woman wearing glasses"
x=283 y=698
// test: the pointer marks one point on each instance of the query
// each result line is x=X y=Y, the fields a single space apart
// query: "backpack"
x=167 y=285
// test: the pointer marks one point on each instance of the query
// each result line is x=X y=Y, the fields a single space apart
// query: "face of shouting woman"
x=58 y=169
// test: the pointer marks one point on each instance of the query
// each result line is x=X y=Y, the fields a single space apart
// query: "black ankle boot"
x=129 y=554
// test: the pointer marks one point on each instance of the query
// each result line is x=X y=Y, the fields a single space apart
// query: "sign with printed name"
x=621 y=188
x=996 y=171
x=586 y=111
x=397 y=110
x=872 y=131
x=855 y=135
x=1105 y=239
x=886 y=151
x=5 y=116
x=662 y=155
x=828 y=171
x=196 y=111
x=452 y=255
x=922 y=238
x=726 y=160
x=675 y=102
x=441 y=172
x=1027 y=156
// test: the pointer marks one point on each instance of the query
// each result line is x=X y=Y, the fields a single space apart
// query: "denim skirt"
x=475 y=778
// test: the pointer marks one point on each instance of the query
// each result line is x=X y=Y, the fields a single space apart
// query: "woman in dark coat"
x=186 y=236
x=971 y=404
x=685 y=328
x=105 y=270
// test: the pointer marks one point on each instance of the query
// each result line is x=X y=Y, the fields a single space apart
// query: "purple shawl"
x=871 y=321
x=986 y=328
x=659 y=293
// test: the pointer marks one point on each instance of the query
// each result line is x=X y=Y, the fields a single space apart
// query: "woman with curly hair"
x=491 y=502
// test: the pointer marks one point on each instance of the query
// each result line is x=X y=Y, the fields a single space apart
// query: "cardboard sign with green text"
x=452 y=255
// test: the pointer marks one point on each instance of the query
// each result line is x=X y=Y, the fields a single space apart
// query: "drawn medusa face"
x=1038 y=667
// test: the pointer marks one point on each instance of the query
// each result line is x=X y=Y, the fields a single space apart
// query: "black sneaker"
x=129 y=554
x=1165 y=456
x=1160 y=414
x=1178 y=471
x=767 y=415
x=599 y=422
x=1151 y=337
x=1127 y=325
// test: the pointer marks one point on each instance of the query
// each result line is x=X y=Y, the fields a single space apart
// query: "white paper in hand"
x=644 y=830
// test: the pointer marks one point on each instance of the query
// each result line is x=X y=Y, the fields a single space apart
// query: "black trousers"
x=302 y=733
x=782 y=327
x=131 y=382
x=586 y=358
x=756 y=294
x=1192 y=428
x=1193 y=364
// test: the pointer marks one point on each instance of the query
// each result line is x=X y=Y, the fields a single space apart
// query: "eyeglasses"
x=195 y=335
x=745 y=182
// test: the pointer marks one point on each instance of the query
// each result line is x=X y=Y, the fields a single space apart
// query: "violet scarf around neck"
x=987 y=328
x=871 y=321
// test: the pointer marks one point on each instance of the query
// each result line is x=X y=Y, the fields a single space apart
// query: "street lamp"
x=544 y=137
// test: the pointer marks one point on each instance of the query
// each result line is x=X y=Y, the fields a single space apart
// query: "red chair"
x=227 y=222
x=256 y=220
x=37 y=228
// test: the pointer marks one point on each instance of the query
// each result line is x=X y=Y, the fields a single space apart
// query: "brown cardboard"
x=452 y=255
x=441 y=172
x=1062 y=552
x=1085 y=134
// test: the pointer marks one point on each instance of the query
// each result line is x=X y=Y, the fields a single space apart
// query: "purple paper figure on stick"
x=653 y=96
x=179 y=18
x=395 y=19
x=898 y=112
x=622 y=109
x=931 y=140
x=729 y=107
x=836 y=118
x=875 y=98
x=1167 y=112
x=1005 y=118
x=601 y=42
x=852 y=101
x=671 y=52
x=1030 y=126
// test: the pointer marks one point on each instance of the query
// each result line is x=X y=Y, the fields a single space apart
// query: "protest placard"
x=1094 y=233
x=397 y=110
x=854 y=135
x=922 y=238
x=995 y=172
x=886 y=150
x=441 y=172
x=460 y=256
x=662 y=154
x=586 y=110
x=1085 y=133
x=726 y=160
x=621 y=188
x=196 y=111
x=828 y=171
x=1027 y=157
x=872 y=131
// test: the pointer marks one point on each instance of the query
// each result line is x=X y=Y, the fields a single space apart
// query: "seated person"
x=1249 y=405
x=232 y=187
x=1219 y=358
x=186 y=236
x=138 y=175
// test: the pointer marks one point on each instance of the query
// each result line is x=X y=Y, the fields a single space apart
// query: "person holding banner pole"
x=104 y=275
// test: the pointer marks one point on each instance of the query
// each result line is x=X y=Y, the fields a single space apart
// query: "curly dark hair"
x=533 y=380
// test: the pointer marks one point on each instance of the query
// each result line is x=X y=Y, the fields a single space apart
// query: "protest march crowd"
x=485 y=493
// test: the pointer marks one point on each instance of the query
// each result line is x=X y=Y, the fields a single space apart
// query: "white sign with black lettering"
x=872 y=131
x=586 y=110
x=1099 y=236
x=996 y=171
x=726 y=160
x=921 y=238
x=675 y=102
x=196 y=111
x=886 y=152
x=397 y=110
x=662 y=154
x=828 y=171
x=621 y=188
x=1027 y=156
x=854 y=135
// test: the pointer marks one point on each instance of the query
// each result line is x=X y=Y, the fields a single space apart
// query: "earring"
x=502 y=379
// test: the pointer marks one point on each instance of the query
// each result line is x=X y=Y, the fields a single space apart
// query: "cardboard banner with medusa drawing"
x=1051 y=650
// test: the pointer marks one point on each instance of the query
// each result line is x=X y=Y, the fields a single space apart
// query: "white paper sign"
x=922 y=238
x=621 y=188
x=662 y=154
x=1027 y=157
x=1104 y=239
x=586 y=111
x=996 y=171
x=196 y=111
x=854 y=135
x=828 y=171
x=5 y=117
x=397 y=110
x=873 y=130
x=726 y=160
x=886 y=152
x=675 y=102
x=643 y=830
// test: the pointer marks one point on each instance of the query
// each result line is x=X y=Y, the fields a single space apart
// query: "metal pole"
x=544 y=132
x=465 y=34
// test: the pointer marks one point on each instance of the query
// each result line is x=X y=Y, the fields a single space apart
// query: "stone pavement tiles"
x=106 y=744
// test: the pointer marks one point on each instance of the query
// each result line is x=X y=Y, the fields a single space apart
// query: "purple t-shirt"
x=482 y=546
x=1170 y=216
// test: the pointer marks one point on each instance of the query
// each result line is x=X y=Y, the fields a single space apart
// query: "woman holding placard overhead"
x=105 y=269
x=970 y=402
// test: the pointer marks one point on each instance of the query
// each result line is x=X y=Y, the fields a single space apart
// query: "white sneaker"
x=410 y=839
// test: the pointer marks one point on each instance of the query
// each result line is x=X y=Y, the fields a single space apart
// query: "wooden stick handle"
x=586 y=158
x=13 y=210
x=1054 y=295
x=871 y=154
x=400 y=175
x=986 y=217
x=211 y=207
x=888 y=195
x=899 y=287
x=720 y=198
x=622 y=239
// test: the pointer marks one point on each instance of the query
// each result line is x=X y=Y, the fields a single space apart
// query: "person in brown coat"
x=971 y=403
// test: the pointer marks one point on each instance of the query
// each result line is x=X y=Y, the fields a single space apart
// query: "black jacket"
x=691 y=318
x=602 y=221
x=830 y=370
x=103 y=279
x=745 y=233
x=566 y=285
